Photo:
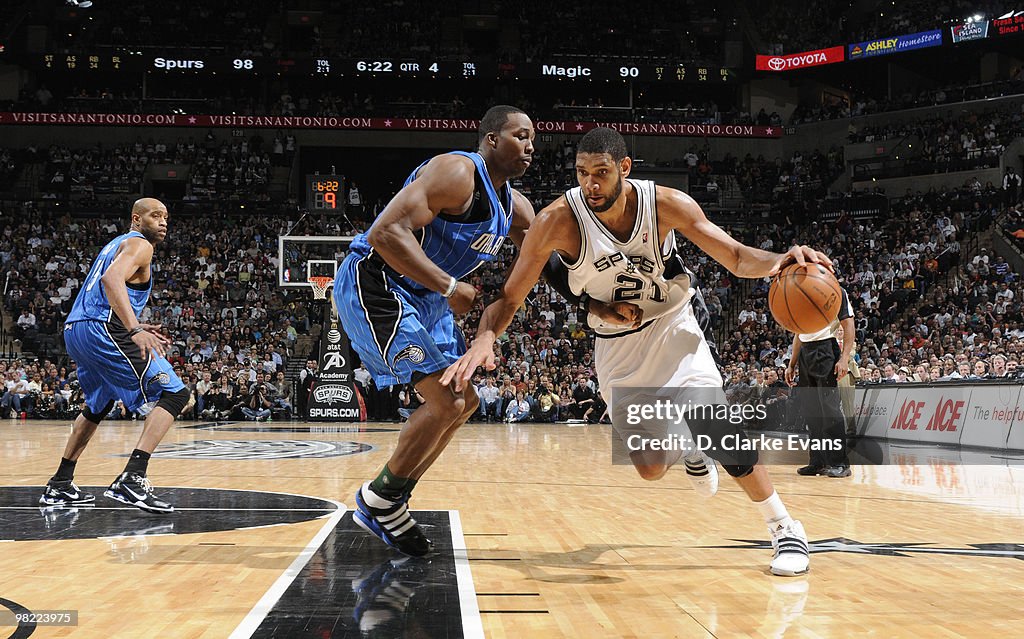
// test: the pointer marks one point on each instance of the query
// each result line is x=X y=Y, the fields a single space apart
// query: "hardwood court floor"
x=560 y=542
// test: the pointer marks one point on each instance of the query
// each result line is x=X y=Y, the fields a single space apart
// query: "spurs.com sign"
x=801 y=60
x=333 y=395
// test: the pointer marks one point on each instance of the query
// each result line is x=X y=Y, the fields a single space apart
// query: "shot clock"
x=325 y=192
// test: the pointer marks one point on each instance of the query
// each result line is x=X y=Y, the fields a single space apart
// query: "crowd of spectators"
x=970 y=140
x=917 y=301
x=238 y=26
x=923 y=313
x=777 y=181
x=215 y=295
x=219 y=170
x=835 y=106
x=510 y=31
x=643 y=30
x=829 y=23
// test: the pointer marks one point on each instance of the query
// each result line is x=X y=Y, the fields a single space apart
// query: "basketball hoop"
x=320 y=284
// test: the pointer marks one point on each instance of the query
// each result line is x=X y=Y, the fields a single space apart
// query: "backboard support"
x=300 y=257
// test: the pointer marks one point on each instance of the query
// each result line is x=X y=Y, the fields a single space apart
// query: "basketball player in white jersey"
x=615 y=237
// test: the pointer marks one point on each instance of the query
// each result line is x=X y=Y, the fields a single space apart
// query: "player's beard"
x=151 y=234
x=609 y=201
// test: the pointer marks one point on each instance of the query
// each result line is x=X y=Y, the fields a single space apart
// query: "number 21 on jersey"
x=632 y=288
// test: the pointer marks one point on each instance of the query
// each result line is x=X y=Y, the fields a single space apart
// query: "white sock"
x=773 y=510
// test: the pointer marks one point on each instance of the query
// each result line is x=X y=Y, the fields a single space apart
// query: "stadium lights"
x=80 y=4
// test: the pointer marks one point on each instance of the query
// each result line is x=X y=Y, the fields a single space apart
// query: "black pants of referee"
x=820 y=401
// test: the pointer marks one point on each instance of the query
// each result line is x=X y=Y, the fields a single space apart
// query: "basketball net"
x=320 y=284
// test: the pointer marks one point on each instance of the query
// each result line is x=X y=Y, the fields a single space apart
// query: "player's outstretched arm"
x=681 y=212
x=445 y=184
x=134 y=254
x=545 y=235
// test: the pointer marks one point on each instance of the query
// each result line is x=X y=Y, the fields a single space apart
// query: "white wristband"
x=452 y=285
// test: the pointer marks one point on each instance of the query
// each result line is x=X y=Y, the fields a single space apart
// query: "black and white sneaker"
x=135 y=490
x=64 y=493
x=792 y=556
x=390 y=522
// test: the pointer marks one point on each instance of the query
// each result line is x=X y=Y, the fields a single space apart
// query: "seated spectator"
x=518 y=410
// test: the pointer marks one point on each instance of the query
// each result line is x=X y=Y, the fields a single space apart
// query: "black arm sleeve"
x=557 y=276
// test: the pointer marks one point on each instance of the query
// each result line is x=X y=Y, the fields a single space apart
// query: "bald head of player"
x=601 y=167
x=505 y=139
x=149 y=217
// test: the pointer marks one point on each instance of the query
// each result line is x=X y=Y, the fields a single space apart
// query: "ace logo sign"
x=930 y=414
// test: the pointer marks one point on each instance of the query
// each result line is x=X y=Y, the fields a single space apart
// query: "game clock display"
x=325 y=192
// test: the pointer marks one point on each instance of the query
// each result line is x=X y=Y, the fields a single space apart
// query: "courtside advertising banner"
x=969 y=31
x=801 y=60
x=873 y=410
x=991 y=413
x=894 y=44
x=936 y=414
x=981 y=415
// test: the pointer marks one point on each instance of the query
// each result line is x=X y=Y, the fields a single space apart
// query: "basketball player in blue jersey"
x=617 y=239
x=120 y=358
x=398 y=290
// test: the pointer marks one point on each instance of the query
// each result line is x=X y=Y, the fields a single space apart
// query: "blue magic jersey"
x=92 y=302
x=459 y=247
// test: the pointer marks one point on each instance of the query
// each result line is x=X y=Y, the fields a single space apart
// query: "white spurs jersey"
x=632 y=271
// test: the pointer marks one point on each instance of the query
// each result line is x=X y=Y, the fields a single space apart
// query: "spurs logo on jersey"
x=629 y=271
x=631 y=262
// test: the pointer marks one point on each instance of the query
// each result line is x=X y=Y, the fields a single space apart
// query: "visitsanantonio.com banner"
x=801 y=60
x=969 y=31
x=381 y=124
x=894 y=44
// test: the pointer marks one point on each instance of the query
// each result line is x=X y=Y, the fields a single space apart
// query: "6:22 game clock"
x=325 y=192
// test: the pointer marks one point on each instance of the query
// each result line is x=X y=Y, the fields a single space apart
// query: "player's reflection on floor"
x=384 y=595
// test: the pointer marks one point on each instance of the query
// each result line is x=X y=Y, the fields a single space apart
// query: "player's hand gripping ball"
x=805 y=299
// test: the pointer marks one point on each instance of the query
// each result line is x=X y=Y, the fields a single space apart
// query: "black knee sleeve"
x=174 y=402
x=738 y=471
x=96 y=418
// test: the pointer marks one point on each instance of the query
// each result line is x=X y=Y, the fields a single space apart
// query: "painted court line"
x=263 y=607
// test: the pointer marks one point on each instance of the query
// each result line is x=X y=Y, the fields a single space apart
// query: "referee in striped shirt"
x=822 y=364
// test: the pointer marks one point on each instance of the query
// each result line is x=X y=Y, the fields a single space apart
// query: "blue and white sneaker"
x=64 y=493
x=135 y=490
x=390 y=521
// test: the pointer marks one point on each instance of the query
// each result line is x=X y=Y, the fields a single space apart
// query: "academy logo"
x=412 y=353
x=333 y=360
x=330 y=393
x=842 y=544
x=259 y=449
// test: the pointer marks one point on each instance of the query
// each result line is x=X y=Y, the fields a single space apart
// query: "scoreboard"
x=467 y=68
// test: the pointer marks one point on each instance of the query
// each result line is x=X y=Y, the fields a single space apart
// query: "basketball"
x=804 y=299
